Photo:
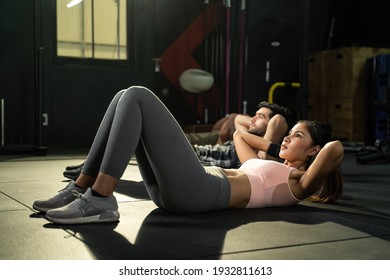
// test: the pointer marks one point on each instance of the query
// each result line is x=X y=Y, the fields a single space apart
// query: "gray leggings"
x=137 y=122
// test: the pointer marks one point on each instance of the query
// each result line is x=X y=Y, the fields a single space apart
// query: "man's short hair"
x=275 y=109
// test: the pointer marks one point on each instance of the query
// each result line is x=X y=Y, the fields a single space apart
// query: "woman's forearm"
x=247 y=145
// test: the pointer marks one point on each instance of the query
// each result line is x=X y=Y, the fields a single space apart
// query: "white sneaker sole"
x=107 y=217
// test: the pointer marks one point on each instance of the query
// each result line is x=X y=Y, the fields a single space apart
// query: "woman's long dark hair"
x=333 y=186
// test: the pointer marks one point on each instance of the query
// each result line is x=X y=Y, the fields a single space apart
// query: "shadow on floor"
x=202 y=236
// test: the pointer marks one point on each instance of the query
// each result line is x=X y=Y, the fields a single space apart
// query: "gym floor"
x=356 y=228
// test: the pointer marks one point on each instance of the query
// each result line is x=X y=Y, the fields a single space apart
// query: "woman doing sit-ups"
x=137 y=122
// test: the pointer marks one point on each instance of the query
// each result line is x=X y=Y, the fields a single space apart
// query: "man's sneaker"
x=86 y=209
x=64 y=197
x=72 y=174
x=71 y=167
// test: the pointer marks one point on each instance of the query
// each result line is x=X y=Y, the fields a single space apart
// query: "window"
x=92 y=29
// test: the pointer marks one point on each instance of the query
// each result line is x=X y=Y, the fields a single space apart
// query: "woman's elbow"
x=336 y=149
x=339 y=148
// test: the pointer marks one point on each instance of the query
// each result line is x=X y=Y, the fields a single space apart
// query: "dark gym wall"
x=360 y=23
x=179 y=31
x=17 y=70
x=79 y=91
x=75 y=94
x=273 y=40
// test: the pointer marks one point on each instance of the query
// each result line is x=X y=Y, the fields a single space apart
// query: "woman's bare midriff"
x=240 y=188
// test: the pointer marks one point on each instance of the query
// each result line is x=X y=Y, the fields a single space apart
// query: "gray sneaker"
x=86 y=209
x=64 y=197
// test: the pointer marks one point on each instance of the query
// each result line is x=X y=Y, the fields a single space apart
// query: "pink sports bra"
x=269 y=183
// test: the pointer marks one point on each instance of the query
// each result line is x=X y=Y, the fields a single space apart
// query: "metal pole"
x=93 y=28
x=227 y=74
x=241 y=54
x=2 y=123
x=302 y=103
x=118 y=29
